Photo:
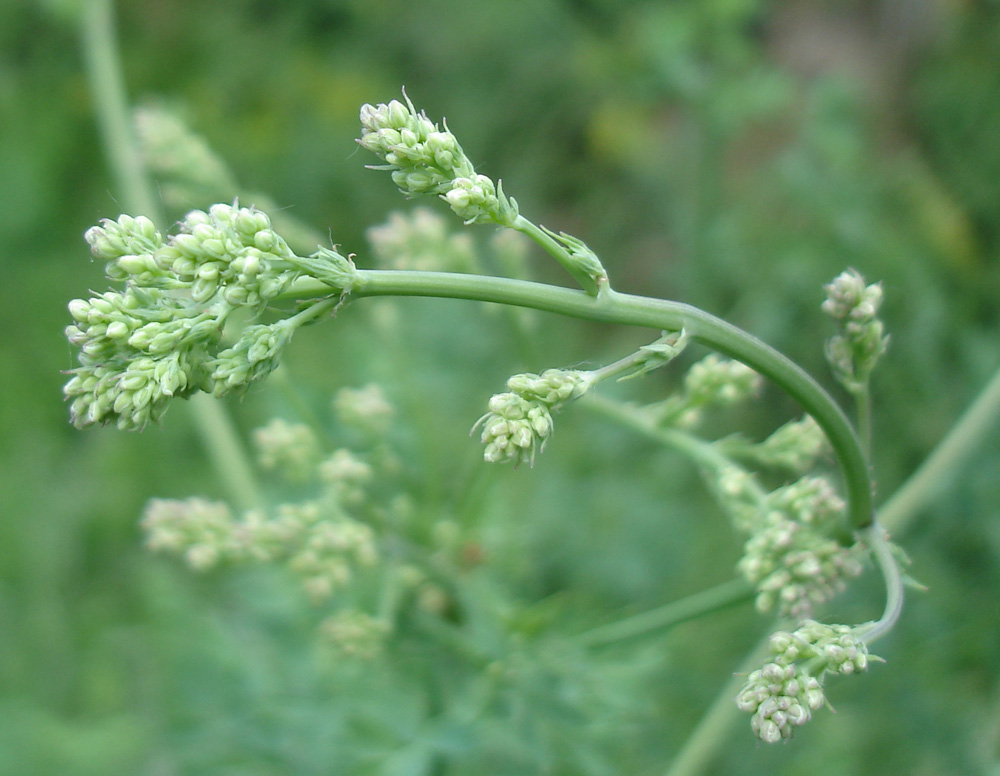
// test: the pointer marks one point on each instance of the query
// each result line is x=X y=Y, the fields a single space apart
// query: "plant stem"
x=107 y=87
x=703 y=743
x=964 y=437
x=627 y=309
x=697 y=449
x=557 y=251
x=863 y=400
x=104 y=71
x=731 y=593
x=876 y=539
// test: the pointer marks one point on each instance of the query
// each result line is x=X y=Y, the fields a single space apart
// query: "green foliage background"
x=730 y=153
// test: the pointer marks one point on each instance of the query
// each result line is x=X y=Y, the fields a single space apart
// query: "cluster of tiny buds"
x=319 y=543
x=794 y=446
x=420 y=240
x=519 y=422
x=355 y=634
x=861 y=341
x=711 y=382
x=159 y=337
x=783 y=693
x=426 y=160
x=290 y=449
x=365 y=408
x=790 y=558
x=720 y=382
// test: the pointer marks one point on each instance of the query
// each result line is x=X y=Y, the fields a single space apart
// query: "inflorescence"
x=162 y=334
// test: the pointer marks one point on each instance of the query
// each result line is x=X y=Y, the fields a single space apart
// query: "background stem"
x=958 y=444
x=100 y=47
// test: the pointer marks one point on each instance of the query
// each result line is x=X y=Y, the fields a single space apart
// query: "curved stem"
x=615 y=307
x=876 y=538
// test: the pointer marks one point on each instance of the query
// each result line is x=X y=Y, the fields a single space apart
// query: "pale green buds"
x=794 y=446
x=861 y=340
x=254 y=356
x=364 y=408
x=420 y=240
x=790 y=558
x=719 y=382
x=783 y=693
x=520 y=422
x=355 y=634
x=424 y=159
x=159 y=337
x=291 y=449
x=514 y=429
x=780 y=698
x=202 y=532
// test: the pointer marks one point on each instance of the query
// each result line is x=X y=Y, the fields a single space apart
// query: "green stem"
x=107 y=87
x=614 y=307
x=722 y=596
x=965 y=436
x=104 y=71
x=863 y=400
x=703 y=743
x=694 y=448
x=876 y=539
x=557 y=251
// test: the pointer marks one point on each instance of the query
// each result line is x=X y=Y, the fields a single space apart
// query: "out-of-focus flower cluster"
x=861 y=340
x=712 y=382
x=161 y=335
x=421 y=240
x=790 y=556
x=783 y=693
x=333 y=541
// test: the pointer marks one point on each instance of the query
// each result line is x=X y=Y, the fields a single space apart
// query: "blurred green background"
x=729 y=153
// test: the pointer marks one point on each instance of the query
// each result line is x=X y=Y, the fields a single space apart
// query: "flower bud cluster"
x=719 y=382
x=159 y=336
x=520 y=421
x=345 y=475
x=328 y=548
x=198 y=530
x=291 y=449
x=790 y=557
x=252 y=358
x=232 y=252
x=740 y=495
x=783 y=693
x=780 y=698
x=355 y=634
x=795 y=446
x=854 y=351
x=420 y=240
x=426 y=160
x=138 y=349
x=366 y=409
x=316 y=539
